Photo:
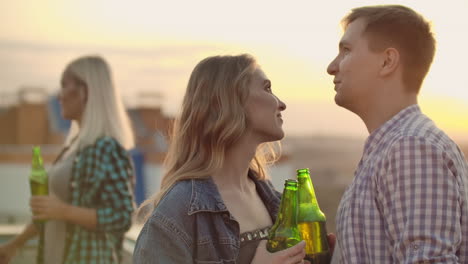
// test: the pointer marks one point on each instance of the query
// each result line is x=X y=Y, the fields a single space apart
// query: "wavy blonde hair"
x=212 y=119
x=104 y=113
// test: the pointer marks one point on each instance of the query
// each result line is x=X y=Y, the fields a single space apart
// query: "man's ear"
x=390 y=61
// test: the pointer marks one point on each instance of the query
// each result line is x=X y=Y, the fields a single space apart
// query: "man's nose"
x=332 y=68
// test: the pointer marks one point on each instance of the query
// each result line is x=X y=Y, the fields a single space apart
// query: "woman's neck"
x=233 y=176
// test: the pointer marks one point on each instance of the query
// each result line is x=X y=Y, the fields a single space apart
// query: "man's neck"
x=383 y=110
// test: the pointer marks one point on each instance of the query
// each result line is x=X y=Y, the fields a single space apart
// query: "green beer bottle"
x=311 y=221
x=38 y=178
x=284 y=233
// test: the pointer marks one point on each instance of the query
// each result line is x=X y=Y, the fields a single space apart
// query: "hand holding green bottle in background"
x=38 y=179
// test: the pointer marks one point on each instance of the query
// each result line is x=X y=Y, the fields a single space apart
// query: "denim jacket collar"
x=206 y=197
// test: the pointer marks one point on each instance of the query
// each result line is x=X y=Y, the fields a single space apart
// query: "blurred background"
x=152 y=46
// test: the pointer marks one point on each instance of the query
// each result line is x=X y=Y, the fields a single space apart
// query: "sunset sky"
x=152 y=46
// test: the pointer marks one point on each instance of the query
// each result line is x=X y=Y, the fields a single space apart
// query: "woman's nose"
x=282 y=105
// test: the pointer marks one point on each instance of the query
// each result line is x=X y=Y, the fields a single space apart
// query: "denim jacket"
x=191 y=224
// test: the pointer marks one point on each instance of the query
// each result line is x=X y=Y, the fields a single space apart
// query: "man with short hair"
x=408 y=199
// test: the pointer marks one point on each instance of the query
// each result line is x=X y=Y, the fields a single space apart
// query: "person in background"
x=90 y=204
x=408 y=199
x=216 y=202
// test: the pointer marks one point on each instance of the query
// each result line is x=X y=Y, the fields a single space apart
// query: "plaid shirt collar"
x=390 y=126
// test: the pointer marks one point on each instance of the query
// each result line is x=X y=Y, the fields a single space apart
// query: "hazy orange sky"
x=153 y=46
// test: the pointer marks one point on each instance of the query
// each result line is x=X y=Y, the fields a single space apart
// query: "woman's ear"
x=84 y=92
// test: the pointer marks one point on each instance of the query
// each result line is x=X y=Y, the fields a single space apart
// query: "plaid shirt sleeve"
x=101 y=179
x=420 y=201
x=116 y=207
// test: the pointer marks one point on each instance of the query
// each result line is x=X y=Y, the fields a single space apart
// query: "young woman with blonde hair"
x=91 y=197
x=216 y=202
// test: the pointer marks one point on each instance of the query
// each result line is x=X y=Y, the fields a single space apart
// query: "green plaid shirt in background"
x=102 y=178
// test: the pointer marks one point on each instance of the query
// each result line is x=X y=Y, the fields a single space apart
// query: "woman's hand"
x=8 y=249
x=7 y=252
x=48 y=207
x=292 y=255
x=51 y=207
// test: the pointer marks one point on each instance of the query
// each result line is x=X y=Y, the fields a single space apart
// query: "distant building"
x=27 y=121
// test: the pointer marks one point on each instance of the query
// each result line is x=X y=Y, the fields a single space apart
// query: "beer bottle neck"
x=37 y=159
x=306 y=191
x=287 y=215
x=307 y=200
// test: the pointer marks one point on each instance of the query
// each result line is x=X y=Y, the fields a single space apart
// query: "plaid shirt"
x=101 y=179
x=408 y=199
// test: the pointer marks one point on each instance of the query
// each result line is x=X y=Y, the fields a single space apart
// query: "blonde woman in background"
x=216 y=202
x=91 y=202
